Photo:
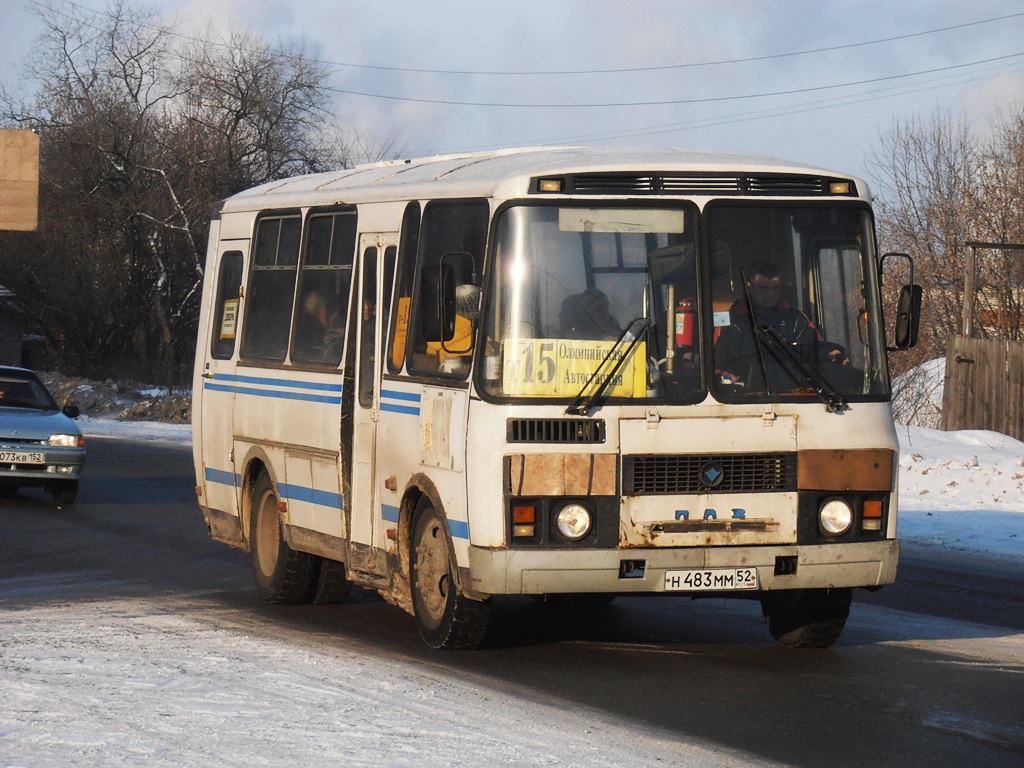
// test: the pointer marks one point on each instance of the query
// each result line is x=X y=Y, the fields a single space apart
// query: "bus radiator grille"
x=653 y=474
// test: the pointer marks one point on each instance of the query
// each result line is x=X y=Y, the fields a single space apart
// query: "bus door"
x=376 y=277
x=220 y=489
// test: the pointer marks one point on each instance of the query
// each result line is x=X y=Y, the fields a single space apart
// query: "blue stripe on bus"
x=273 y=393
x=310 y=495
x=459 y=529
x=220 y=476
x=327 y=387
x=405 y=397
x=406 y=409
x=394 y=394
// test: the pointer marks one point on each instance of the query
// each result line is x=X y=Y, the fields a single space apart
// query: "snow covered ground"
x=89 y=680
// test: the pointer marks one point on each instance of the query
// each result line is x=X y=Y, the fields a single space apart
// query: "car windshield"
x=20 y=390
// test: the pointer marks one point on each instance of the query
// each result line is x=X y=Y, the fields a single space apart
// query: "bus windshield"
x=782 y=301
x=795 y=307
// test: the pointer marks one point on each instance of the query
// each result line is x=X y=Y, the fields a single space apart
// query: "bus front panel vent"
x=654 y=474
x=555 y=431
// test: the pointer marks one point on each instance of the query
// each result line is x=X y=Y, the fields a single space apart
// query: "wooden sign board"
x=19 y=180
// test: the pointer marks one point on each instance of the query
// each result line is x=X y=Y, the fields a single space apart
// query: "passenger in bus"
x=737 y=353
x=321 y=331
x=588 y=315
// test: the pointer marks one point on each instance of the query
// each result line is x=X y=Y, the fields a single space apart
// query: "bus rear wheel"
x=282 y=574
x=445 y=617
x=806 y=618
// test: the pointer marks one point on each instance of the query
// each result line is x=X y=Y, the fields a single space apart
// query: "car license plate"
x=713 y=580
x=21 y=457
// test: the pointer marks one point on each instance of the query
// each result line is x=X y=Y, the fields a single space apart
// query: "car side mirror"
x=71 y=411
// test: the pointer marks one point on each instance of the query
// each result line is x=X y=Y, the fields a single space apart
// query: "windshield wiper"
x=617 y=356
x=799 y=369
x=769 y=337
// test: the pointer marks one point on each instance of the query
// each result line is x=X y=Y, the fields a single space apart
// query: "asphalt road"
x=930 y=671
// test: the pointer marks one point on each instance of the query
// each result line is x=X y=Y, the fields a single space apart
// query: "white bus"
x=565 y=373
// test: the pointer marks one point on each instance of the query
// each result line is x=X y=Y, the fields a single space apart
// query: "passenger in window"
x=738 y=356
x=321 y=330
x=588 y=315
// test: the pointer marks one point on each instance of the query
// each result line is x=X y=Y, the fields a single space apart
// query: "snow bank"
x=963 y=491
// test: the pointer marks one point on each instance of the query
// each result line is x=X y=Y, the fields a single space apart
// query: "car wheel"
x=66 y=494
x=283 y=575
x=446 y=618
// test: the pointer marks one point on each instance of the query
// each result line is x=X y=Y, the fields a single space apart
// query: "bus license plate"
x=714 y=580
x=20 y=457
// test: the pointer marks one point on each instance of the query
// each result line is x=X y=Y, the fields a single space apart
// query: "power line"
x=751 y=59
x=669 y=102
x=690 y=65
x=743 y=117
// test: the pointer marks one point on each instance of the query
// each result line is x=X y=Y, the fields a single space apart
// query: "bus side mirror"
x=899 y=267
x=908 y=316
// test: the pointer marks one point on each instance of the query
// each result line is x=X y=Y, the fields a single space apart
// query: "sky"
x=806 y=80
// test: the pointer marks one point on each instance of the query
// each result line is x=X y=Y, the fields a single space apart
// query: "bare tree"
x=927 y=171
x=143 y=131
x=999 y=202
x=941 y=188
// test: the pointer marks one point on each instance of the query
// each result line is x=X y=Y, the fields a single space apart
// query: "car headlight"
x=66 y=441
x=835 y=517
x=573 y=521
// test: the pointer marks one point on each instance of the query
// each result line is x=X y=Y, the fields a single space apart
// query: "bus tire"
x=332 y=584
x=806 y=618
x=282 y=574
x=445 y=617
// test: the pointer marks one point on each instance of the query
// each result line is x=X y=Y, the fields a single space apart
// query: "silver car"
x=40 y=445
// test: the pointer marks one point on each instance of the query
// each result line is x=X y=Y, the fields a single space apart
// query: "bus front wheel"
x=282 y=574
x=446 y=618
x=806 y=618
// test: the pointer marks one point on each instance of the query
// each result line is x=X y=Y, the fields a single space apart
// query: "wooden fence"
x=984 y=386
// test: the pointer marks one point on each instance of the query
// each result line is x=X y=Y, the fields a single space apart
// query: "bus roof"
x=505 y=173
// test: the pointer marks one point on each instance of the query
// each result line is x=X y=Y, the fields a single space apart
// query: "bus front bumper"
x=634 y=571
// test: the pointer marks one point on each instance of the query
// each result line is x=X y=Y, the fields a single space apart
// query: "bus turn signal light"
x=871 y=516
x=524 y=521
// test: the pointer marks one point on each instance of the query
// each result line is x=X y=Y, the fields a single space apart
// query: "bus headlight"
x=835 y=517
x=573 y=521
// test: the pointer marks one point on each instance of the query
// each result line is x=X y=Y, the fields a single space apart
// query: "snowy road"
x=128 y=638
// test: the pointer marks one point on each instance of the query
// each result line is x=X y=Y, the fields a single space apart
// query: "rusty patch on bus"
x=562 y=474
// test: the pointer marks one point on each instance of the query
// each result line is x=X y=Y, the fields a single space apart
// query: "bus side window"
x=325 y=279
x=455 y=227
x=225 y=325
x=403 y=293
x=271 y=291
